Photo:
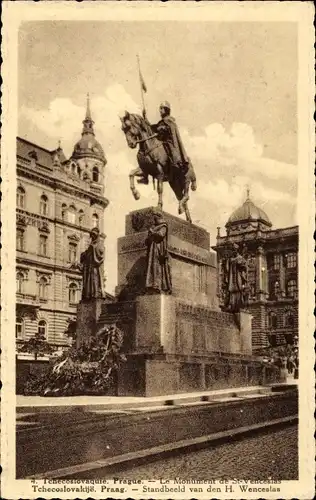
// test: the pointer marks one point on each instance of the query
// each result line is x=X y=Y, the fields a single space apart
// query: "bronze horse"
x=154 y=161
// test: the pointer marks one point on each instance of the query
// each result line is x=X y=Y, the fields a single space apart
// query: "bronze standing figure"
x=158 y=274
x=91 y=266
x=236 y=289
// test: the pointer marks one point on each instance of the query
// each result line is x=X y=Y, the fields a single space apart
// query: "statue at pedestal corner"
x=158 y=274
x=91 y=266
x=236 y=281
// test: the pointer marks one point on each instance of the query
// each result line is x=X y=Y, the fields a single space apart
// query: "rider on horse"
x=167 y=131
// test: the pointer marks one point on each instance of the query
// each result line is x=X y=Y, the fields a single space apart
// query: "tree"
x=37 y=345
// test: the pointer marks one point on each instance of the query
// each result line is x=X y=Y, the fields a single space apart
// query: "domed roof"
x=248 y=212
x=88 y=146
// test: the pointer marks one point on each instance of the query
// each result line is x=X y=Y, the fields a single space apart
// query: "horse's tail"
x=192 y=177
x=154 y=183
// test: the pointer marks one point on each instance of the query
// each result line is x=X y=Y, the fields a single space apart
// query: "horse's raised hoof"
x=193 y=185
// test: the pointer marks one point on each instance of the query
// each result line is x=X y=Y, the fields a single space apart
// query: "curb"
x=168 y=400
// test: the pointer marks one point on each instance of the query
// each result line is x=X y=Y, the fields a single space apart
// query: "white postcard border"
x=302 y=13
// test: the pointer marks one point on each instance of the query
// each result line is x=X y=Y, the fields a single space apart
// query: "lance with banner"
x=143 y=88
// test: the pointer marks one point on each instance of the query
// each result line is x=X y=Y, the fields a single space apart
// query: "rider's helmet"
x=165 y=104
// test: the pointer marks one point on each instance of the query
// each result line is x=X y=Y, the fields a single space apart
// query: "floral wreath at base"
x=88 y=369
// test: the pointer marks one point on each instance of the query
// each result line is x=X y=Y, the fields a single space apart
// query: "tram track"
x=94 y=437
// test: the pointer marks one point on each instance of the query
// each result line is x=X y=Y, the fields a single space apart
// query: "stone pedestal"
x=193 y=266
x=180 y=342
x=168 y=324
x=159 y=374
x=88 y=314
x=245 y=328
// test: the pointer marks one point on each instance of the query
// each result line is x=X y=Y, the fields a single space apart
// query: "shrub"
x=37 y=345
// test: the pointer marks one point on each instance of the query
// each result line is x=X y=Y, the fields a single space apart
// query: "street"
x=272 y=455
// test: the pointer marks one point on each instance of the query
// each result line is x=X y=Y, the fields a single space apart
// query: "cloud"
x=234 y=150
x=225 y=161
x=62 y=120
x=231 y=194
x=236 y=147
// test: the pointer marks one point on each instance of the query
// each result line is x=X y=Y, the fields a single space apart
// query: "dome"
x=247 y=213
x=88 y=146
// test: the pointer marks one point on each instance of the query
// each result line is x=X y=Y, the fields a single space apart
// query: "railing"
x=27 y=298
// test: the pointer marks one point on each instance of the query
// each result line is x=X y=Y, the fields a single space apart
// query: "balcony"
x=27 y=299
x=27 y=305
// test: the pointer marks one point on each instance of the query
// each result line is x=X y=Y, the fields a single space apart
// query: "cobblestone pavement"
x=272 y=455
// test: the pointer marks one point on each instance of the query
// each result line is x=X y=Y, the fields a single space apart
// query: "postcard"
x=157 y=250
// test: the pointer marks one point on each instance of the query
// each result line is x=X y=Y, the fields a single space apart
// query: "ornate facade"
x=58 y=201
x=272 y=256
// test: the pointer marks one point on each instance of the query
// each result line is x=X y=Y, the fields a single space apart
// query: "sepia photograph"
x=158 y=217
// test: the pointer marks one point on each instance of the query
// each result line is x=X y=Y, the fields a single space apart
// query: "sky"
x=232 y=89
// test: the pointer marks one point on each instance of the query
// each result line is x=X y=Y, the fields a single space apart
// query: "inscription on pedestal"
x=141 y=220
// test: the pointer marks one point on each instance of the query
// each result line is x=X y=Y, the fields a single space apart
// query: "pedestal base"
x=244 y=319
x=88 y=314
x=181 y=342
x=157 y=375
x=174 y=326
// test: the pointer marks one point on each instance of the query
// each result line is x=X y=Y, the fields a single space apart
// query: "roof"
x=248 y=211
x=88 y=146
x=25 y=149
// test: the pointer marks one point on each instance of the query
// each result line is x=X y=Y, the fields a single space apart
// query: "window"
x=73 y=289
x=95 y=220
x=20 y=242
x=289 y=338
x=20 y=197
x=291 y=288
x=291 y=260
x=252 y=290
x=19 y=282
x=272 y=339
x=276 y=261
x=43 y=288
x=42 y=328
x=43 y=245
x=95 y=174
x=72 y=252
x=19 y=330
x=63 y=211
x=81 y=217
x=276 y=288
x=44 y=205
x=289 y=320
x=72 y=215
x=272 y=320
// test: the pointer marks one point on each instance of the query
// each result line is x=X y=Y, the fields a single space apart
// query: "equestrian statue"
x=160 y=155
